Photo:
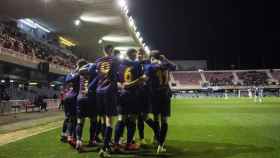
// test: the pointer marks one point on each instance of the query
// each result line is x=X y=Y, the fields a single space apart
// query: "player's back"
x=106 y=68
x=72 y=80
x=129 y=71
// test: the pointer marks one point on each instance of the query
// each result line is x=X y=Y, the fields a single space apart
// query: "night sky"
x=224 y=32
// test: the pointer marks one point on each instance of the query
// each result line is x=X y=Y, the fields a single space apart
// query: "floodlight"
x=122 y=3
x=77 y=22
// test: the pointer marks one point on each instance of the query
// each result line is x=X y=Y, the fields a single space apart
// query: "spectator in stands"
x=11 y=38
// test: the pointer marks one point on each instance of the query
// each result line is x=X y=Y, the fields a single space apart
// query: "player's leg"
x=163 y=133
x=164 y=114
x=64 y=132
x=157 y=128
x=92 y=131
x=118 y=133
x=79 y=132
x=106 y=149
x=81 y=104
x=255 y=98
x=260 y=98
x=131 y=128
x=69 y=114
x=72 y=131
x=151 y=123
x=98 y=129
x=119 y=128
x=109 y=103
x=92 y=114
x=140 y=127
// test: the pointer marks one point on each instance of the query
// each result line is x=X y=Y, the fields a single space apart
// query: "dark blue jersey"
x=88 y=79
x=158 y=75
x=129 y=71
x=93 y=79
x=258 y=92
x=72 y=80
x=83 y=91
x=107 y=69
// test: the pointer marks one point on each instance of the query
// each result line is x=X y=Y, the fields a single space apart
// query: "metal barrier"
x=17 y=106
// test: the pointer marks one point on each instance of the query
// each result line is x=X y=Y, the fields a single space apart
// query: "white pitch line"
x=25 y=133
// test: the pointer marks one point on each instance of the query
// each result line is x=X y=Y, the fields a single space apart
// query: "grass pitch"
x=199 y=128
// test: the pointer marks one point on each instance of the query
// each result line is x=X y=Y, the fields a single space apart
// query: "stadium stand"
x=226 y=79
x=181 y=79
x=219 y=78
x=253 y=78
x=11 y=38
x=276 y=75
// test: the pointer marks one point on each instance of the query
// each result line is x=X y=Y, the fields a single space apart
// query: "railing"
x=7 y=107
x=18 y=58
x=176 y=85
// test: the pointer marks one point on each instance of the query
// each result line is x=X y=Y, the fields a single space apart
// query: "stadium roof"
x=100 y=19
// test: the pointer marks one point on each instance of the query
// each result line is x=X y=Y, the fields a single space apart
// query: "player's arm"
x=84 y=69
x=169 y=64
x=71 y=77
x=136 y=82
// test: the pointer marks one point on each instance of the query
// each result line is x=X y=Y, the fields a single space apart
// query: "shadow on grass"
x=182 y=149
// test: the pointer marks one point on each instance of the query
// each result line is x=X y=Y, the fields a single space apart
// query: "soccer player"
x=130 y=79
x=82 y=103
x=106 y=92
x=70 y=99
x=93 y=80
x=158 y=74
x=64 y=133
x=86 y=103
x=144 y=100
x=258 y=94
x=250 y=93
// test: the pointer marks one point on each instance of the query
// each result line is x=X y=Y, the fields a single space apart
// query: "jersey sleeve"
x=71 y=77
x=148 y=70
x=169 y=66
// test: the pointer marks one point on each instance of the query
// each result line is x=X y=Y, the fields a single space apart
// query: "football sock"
x=118 y=131
x=79 y=130
x=93 y=127
x=157 y=129
x=107 y=139
x=163 y=132
x=140 y=126
x=131 y=127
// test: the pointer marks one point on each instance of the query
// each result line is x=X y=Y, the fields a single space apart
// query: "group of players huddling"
x=129 y=88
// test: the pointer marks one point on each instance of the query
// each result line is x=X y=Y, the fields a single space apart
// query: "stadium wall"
x=191 y=65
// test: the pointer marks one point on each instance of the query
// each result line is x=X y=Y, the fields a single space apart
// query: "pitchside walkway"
x=13 y=128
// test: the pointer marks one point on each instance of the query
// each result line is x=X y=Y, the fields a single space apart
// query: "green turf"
x=199 y=128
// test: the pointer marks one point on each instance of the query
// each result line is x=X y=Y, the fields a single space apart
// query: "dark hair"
x=141 y=50
x=156 y=54
x=81 y=62
x=130 y=51
x=108 y=48
x=116 y=52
